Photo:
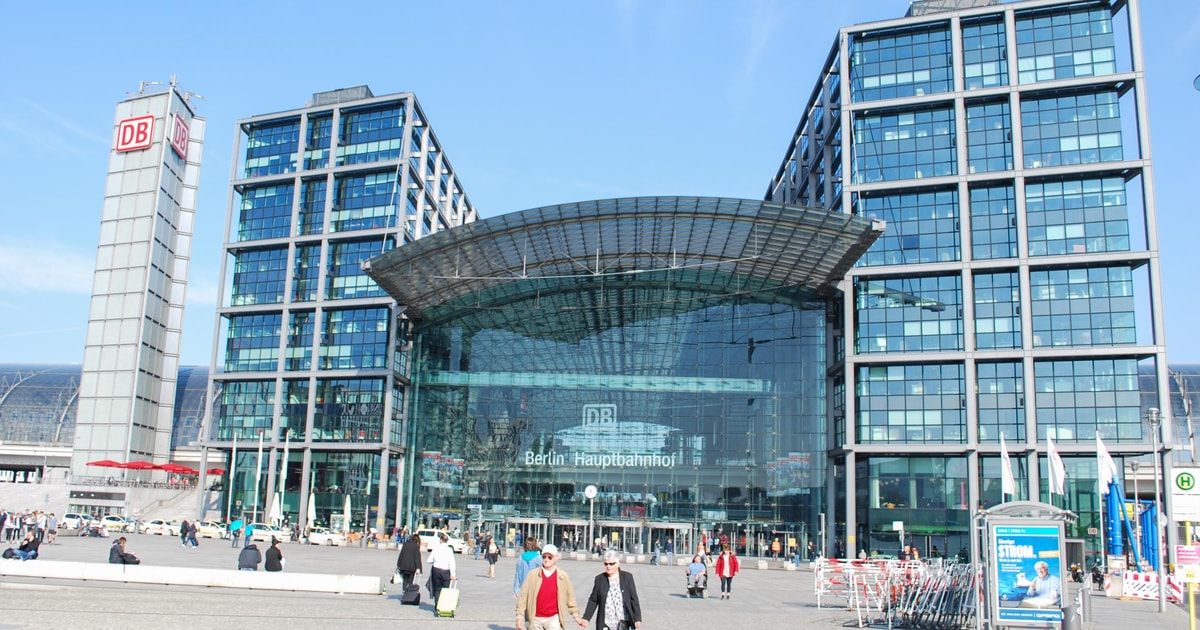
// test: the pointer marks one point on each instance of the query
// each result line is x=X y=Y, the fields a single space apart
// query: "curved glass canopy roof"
x=621 y=258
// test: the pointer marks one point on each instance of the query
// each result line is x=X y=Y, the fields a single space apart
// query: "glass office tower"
x=312 y=353
x=1016 y=291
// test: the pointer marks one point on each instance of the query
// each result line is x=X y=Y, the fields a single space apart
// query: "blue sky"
x=535 y=103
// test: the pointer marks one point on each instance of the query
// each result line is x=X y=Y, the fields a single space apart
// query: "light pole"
x=1154 y=419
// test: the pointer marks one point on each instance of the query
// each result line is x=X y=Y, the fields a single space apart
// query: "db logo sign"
x=179 y=137
x=134 y=134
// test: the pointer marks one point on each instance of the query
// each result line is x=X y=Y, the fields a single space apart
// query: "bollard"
x=1085 y=604
x=1071 y=619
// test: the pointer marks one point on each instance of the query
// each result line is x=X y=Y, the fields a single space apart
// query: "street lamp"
x=1154 y=419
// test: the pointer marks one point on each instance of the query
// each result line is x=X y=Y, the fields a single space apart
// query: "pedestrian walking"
x=408 y=563
x=183 y=533
x=191 y=535
x=727 y=568
x=443 y=569
x=492 y=556
x=529 y=560
x=235 y=531
x=547 y=596
x=614 y=597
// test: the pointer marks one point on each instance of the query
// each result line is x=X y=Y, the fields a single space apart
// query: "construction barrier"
x=1145 y=586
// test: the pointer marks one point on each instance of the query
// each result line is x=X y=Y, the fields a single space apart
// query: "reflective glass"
x=911 y=404
x=921 y=227
x=908 y=62
x=904 y=145
x=1077 y=216
x=1063 y=43
x=676 y=404
x=916 y=314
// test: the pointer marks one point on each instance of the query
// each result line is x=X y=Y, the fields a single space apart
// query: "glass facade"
x=713 y=413
x=1042 y=228
x=310 y=345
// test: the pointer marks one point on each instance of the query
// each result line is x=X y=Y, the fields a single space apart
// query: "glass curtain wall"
x=711 y=414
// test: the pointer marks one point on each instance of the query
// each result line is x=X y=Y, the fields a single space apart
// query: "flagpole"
x=258 y=474
x=283 y=472
x=232 y=477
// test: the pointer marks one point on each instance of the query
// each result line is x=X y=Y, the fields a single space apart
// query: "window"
x=1071 y=129
x=1077 y=216
x=904 y=145
x=900 y=63
x=984 y=62
x=912 y=404
x=1063 y=44
x=921 y=227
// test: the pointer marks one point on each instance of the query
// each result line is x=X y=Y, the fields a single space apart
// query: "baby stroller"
x=697 y=583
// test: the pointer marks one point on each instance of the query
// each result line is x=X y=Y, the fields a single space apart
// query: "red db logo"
x=135 y=133
x=179 y=137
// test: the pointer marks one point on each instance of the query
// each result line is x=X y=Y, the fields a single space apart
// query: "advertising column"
x=1027 y=570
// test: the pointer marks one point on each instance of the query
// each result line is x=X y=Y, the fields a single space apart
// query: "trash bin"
x=1071 y=620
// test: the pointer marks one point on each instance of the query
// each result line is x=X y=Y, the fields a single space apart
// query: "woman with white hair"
x=614 y=596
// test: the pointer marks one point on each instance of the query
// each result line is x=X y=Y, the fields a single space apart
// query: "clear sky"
x=535 y=103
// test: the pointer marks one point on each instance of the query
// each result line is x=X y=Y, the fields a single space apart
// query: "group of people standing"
x=15 y=525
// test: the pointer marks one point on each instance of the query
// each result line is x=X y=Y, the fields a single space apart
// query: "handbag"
x=397 y=578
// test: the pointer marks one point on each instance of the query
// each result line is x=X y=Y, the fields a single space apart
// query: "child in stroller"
x=697 y=577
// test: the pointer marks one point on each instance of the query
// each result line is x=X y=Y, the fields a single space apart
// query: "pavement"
x=761 y=599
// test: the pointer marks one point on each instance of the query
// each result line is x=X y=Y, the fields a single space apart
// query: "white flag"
x=1008 y=482
x=1106 y=465
x=1058 y=472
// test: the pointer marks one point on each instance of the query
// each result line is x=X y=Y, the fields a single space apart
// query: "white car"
x=161 y=527
x=322 y=536
x=118 y=523
x=265 y=533
x=73 y=520
x=211 y=529
x=428 y=536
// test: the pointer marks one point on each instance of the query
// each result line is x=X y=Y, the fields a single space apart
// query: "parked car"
x=322 y=536
x=118 y=523
x=160 y=527
x=428 y=536
x=212 y=529
x=265 y=533
x=73 y=520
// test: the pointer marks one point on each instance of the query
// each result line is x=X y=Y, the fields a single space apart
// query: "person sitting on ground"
x=28 y=550
x=274 y=561
x=696 y=569
x=249 y=558
x=118 y=555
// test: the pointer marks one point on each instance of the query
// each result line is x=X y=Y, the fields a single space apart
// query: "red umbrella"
x=106 y=463
x=216 y=471
x=140 y=465
x=179 y=468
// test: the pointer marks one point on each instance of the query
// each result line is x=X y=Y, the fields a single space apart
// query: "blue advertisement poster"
x=1028 y=573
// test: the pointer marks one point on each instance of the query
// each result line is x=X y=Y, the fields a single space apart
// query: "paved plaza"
x=761 y=599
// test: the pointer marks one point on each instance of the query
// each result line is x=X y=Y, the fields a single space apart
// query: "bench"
x=190 y=576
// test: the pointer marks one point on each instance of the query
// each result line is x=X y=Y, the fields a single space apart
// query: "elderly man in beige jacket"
x=547 y=596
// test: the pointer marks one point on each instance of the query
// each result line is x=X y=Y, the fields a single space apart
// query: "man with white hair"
x=547 y=596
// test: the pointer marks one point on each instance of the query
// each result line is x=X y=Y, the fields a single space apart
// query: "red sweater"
x=547 y=597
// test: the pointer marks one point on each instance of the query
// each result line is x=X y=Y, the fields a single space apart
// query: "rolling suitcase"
x=447 y=601
x=411 y=596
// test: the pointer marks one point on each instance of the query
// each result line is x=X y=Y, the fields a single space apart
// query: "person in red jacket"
x=727 y=567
